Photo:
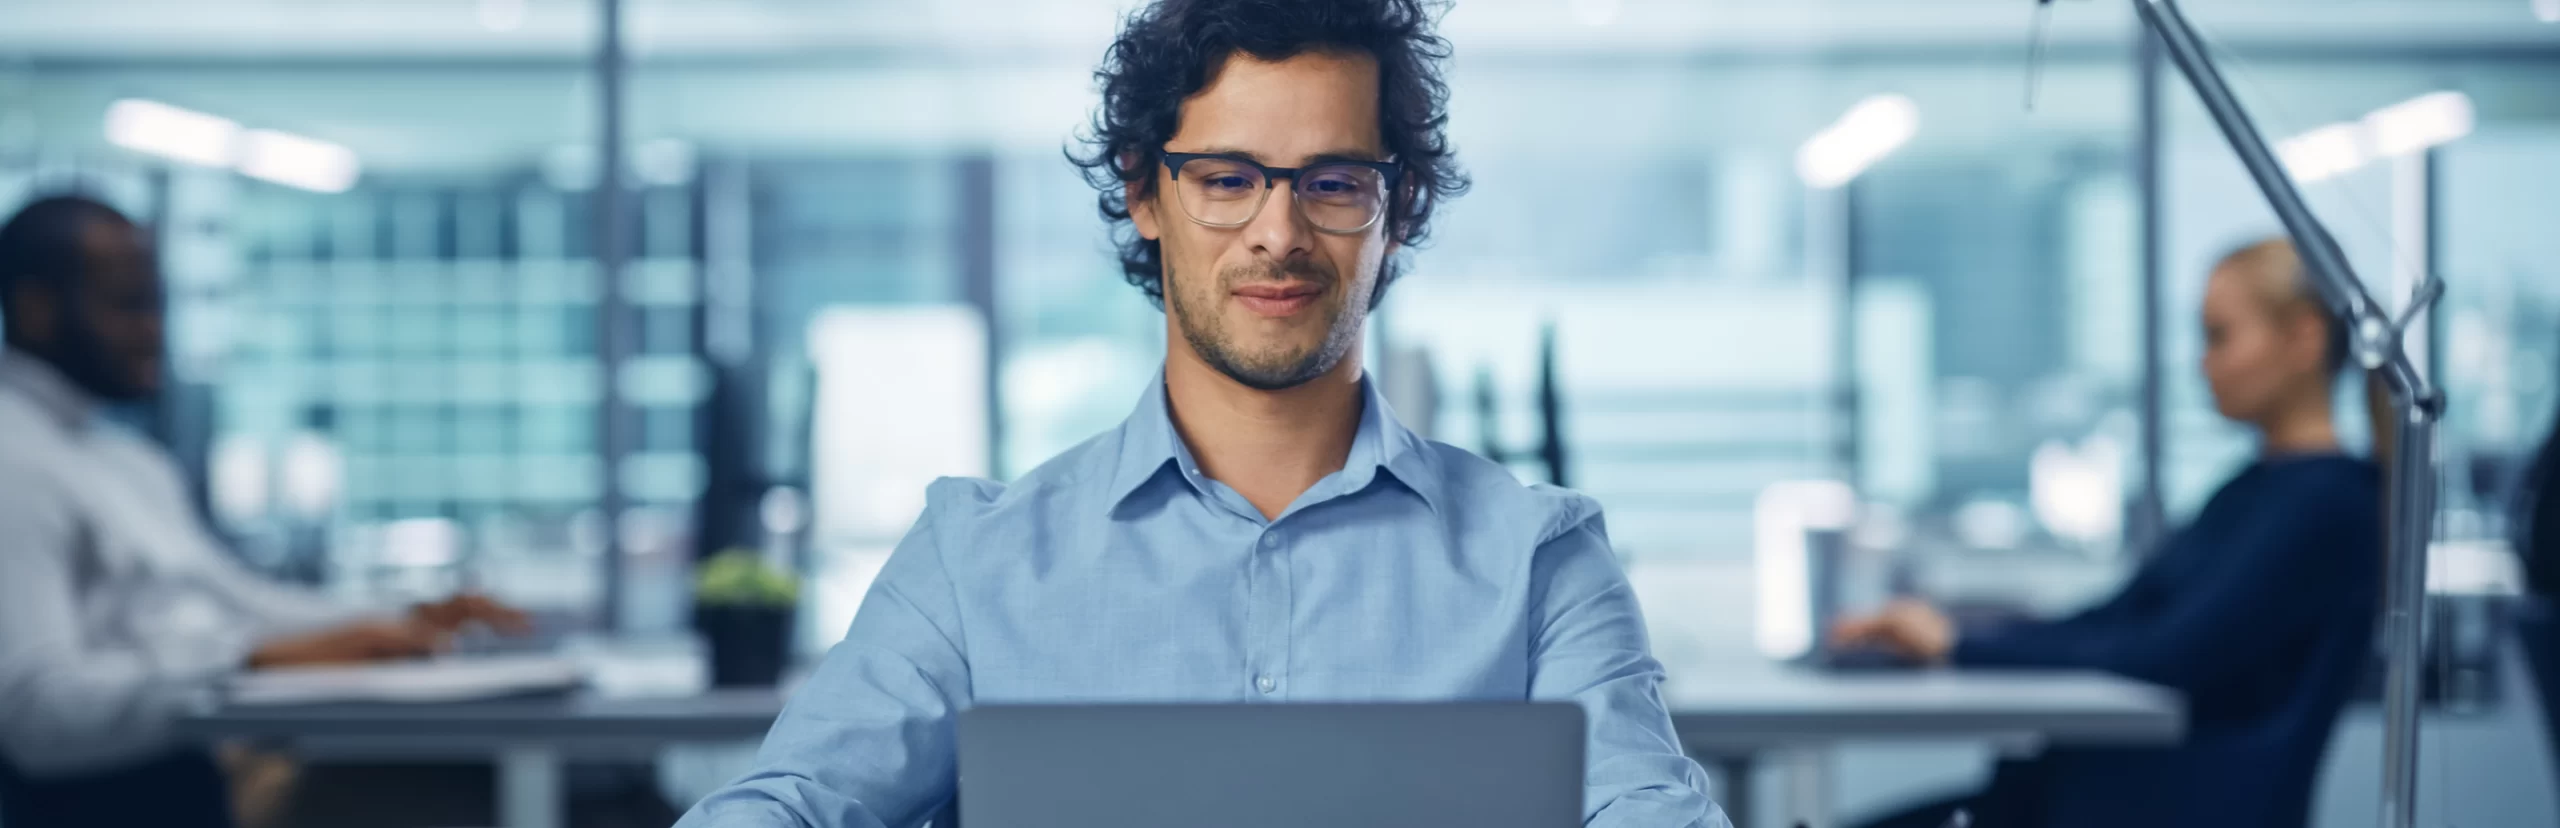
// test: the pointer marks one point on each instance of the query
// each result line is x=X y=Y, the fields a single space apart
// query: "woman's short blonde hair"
x=2271 y=269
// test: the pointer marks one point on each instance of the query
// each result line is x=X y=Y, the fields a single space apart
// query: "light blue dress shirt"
x=1118 y=572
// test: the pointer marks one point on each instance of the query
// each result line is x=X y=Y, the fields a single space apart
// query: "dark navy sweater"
x=2261 y=614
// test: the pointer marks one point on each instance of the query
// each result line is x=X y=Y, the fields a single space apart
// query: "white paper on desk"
x=439 y=680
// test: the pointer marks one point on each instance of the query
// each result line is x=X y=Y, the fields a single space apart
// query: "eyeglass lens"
x=1227 y=193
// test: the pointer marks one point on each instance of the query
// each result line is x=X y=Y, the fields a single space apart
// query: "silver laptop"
x=1483 y=765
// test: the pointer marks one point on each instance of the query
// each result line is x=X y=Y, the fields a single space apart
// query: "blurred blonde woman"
x=2260 y=613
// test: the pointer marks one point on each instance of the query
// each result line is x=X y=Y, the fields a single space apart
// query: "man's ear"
x=2311 y=335
x=35 y=311
x=1404 y=195
x=1142 y=211
x=1138 y=192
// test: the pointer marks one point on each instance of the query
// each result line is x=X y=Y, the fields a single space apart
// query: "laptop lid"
x=1484 y=765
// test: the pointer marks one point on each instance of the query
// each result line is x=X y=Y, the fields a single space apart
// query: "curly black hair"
x=1169 y=50
x=41 y=245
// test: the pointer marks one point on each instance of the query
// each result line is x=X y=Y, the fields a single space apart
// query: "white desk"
x=1732 y=717
x=1735 y=717
x=531 y=739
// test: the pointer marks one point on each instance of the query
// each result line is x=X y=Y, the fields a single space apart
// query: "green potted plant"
x=744 y=608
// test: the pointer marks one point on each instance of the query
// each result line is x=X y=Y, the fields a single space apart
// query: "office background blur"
x=857 y=260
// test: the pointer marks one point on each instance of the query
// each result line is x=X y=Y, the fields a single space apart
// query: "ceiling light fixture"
x=2408 y=127
x=171 y=132
x=1864 y=135
x=296 y=161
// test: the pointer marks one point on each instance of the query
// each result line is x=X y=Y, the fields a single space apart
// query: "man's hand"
x=452 y=614
x=1911 y=629
x=427 y=629
x=355 y=643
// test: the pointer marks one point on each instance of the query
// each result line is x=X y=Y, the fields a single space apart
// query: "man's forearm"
x=777 y=801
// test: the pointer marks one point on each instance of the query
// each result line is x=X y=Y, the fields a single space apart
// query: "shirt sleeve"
x=279 y=609
x=867 y=741
x=69 y=704
x=2265 y=587
x=272 y=609
x=2117 y=608
x=1589 y=647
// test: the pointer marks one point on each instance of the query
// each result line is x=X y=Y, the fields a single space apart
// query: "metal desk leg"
x=1733 y=787
x=530 y=794
x=1808 y=785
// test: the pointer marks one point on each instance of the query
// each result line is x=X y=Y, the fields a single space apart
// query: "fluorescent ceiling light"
x=2547 y=11
x=2411 y=126
x=192 y=137
x=296 y=161
x=2419 y=124
x=1863 y=136
x=2322 y=153
x=170 y=132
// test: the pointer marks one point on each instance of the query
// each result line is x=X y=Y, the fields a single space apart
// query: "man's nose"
x=1279 y=233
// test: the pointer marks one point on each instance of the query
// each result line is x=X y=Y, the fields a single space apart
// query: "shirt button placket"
x=1269 y=646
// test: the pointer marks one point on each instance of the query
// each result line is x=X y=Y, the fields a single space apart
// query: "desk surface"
x=1749 y=709
x=572 y=720
x=1737 y=710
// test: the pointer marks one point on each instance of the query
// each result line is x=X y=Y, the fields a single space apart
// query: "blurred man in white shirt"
x=117 y=607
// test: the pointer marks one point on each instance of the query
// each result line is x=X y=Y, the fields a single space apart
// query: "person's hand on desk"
x=426 y=630
x=452 y=614
x=354 y=643
x=1912 y=629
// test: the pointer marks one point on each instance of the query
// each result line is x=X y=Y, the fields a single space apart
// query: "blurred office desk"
x=1735 y=716
x=530 y=738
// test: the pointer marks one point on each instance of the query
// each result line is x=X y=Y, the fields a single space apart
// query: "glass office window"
x=2469 y=212
x=1080 y=341
x=433 y=324
x=2498 y=336
x=1637 y=193
x=1664 y=236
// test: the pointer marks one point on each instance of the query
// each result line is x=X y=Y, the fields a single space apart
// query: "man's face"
x=1276 y=302
x=102 y=326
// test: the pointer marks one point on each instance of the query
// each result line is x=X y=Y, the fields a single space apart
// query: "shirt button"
x=1270 y=540
x=1265 y=684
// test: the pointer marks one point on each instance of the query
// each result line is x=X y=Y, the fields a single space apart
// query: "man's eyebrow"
x=1255 y=157
x=1318 y=158
x=1344 y=155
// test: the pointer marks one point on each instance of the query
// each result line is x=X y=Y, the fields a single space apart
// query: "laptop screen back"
x=1485 y=765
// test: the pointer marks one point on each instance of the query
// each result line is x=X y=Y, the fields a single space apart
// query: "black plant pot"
x=749 y=644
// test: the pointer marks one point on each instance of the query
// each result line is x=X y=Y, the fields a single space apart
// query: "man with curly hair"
x=1260 y=529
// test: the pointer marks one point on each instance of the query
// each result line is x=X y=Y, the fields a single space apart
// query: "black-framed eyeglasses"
x=1335 y=196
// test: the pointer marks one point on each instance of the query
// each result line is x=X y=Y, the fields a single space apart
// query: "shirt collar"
x=1148 y=444
x=45 y=386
